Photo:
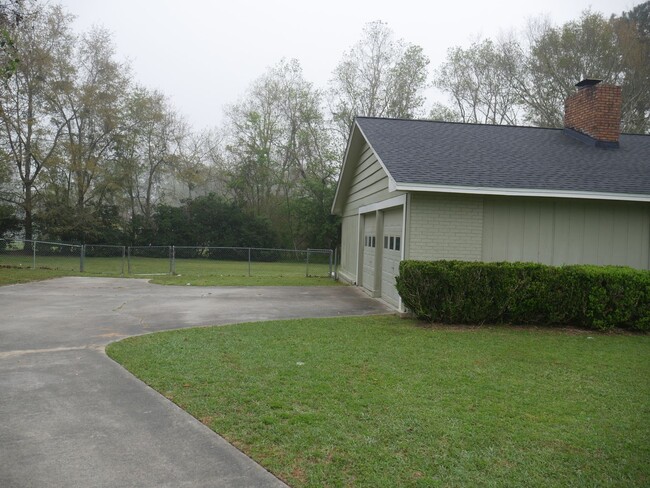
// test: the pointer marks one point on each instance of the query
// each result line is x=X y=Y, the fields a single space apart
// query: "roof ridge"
x=400 y=119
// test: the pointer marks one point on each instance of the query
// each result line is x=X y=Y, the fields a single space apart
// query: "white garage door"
x=392 y=254
x=369 y=245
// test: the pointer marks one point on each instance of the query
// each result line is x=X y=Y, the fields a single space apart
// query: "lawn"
x=385 y=402
x=10 y=275
x=202 y=272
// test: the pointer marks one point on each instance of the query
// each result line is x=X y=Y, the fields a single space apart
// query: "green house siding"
x=565 y=231
x=488 y=228
x=542 y=230
x=368 y=185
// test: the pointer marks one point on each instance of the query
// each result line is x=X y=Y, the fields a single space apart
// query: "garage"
x=391 y=254
x=382 y=244
x=550 y=196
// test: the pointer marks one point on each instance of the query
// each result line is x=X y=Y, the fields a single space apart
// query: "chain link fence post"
x=123 y=257
x=307 y=265
x=249 y=262
x=173 y=264
x=336 y=264
x=128 y=260
x=82 y=253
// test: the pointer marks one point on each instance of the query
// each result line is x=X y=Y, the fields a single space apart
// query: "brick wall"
x=446 y=226
x=595 y=111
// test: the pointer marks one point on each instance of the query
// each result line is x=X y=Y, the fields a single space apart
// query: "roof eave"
x=522 y=192
x=337 y=207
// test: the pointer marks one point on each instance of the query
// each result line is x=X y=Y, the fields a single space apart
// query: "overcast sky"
x=204 y=54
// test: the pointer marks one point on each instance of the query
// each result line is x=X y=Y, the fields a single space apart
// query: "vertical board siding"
x=530 y=234
x=563 y=231
x=546 y=233
x=605 y=250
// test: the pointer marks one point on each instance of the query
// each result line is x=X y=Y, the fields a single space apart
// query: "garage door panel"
x=392 y=254
x=369 y=246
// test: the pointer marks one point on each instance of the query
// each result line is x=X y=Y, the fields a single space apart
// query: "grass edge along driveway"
x=382 y=401
x=10 y=275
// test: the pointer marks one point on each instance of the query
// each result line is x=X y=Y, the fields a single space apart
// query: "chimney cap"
x=588 y=82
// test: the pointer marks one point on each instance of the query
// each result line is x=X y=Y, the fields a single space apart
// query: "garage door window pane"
x=385 y=242
x=397 y=243
x=392 y=242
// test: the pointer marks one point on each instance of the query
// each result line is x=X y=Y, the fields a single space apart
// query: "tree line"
x=525 y=79
x=88 y=155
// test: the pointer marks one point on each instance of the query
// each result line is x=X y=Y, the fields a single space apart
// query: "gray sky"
x=204 y=54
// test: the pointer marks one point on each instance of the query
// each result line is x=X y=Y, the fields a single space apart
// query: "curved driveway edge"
x=70 y=416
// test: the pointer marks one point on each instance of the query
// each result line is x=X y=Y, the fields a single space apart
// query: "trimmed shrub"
x=460 y=292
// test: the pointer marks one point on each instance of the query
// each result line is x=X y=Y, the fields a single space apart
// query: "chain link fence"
x=247 y=261
x=104 y=259
x=41 y=254
x=150 y=260
x=167 y=260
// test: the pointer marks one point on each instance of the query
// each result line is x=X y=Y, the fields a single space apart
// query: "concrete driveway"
x=71 y=417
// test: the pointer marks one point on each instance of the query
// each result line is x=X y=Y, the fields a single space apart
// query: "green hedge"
x=459 y=292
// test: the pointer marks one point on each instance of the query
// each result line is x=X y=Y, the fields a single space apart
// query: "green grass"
x=215 y=279
x=15 y=275
x=384 y=402
x=198 y=272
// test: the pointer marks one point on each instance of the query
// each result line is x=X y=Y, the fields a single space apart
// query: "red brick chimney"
x=595 y=111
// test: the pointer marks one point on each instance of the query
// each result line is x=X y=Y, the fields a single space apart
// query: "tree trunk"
x=28 y=224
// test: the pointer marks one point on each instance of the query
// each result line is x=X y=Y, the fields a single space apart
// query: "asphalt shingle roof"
x=489 y=156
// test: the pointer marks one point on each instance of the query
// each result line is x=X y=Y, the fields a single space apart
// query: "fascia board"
x=336 y=207
x=523 y=192
x=391 y=180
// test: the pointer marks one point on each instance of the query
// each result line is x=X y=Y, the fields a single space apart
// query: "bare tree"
x=477 y=81
x=590 y=47
x=147 y=151
x=560 y=57
x=632 y=30
x=30 y=138
x=277 y=138
x=90 y=106
x=514 y=80
x=379 y=77
x=11 y=13
x=199 y=165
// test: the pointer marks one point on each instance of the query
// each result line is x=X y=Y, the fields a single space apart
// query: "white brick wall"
x=446 y=226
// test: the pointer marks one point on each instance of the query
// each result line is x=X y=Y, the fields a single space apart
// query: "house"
x=414 y=189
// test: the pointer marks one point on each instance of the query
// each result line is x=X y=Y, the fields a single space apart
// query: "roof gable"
x=356 y=143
